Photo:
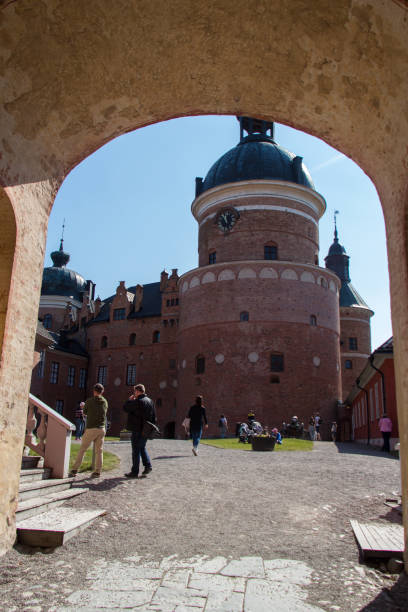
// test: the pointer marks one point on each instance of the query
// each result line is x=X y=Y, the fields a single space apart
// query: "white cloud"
x=329 y=162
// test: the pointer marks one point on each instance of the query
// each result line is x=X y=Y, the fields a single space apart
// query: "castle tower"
x=355 y=315
x=259 y=319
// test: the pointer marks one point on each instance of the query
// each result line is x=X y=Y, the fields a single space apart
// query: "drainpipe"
x=382 y=381
x=368 y=411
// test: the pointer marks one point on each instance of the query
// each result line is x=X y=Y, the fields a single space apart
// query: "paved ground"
x=227 y=530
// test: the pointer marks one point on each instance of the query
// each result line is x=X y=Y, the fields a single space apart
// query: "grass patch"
x=110 y=461
x=111 y=439
x=288 y=444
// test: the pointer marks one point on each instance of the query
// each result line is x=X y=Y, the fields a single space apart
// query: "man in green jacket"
x=95 y=410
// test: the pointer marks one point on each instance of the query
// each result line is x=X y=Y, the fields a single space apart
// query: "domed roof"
x=59 y=280
x=257 y=156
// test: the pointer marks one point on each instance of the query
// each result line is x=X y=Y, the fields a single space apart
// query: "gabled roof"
x=150 y=307
x=67 y=345
x=44 y=334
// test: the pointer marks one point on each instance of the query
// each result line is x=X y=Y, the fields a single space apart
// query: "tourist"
x=95 y=409
x=318 y=422
x=385 y=425
x=198 y=420
x=79 y=421
x=223 y=426
x=312 y=433
x=140 y=409
x=276 y=433
x=333 y=431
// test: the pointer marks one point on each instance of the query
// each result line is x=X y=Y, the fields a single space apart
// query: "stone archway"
x=76 y=74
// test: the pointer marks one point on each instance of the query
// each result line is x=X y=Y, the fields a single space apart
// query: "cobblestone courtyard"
x=226 y=530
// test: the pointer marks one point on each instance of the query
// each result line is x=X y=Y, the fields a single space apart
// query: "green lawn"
x=110 y=461
x=288 y=444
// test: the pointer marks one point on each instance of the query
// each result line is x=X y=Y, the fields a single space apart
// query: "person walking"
x=79 y=420
x=139 y=408
x=333 y=431
x=318 y=422
x=223 y=426
x=198 y=420
x=385 y=425
x=312 y=433
x=95 y=409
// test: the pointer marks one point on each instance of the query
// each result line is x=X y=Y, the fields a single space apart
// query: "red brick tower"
x=259 y=319
x=355 y=315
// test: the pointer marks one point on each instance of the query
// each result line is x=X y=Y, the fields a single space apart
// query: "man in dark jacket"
x=140 y=409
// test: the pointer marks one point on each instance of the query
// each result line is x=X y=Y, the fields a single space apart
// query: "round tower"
x=355 y=315
x=259 y=319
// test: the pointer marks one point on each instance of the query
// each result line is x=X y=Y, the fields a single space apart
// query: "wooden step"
x=30 y=475
x=55 y=527
x=43 y=487
x=30 y=461
x=37 y=505
x=379 y=540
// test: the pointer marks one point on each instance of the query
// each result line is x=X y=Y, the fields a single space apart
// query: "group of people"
x=315 y=422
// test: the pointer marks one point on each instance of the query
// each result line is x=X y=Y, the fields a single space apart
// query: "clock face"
x=226 y=219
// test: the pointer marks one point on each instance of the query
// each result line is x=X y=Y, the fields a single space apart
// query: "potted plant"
x=263 y=443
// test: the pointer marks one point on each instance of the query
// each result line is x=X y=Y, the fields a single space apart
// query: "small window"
x=41 y=365
x=274 y=380
x=276 y=362
x=200 y=364
x=244 y=316
x=349 y=364
x=102 y=372
x=352 y=344
x=167 y=302
x=59 y=406
x=119 y=314
x=212 y=257
x=165 y=323
x=172 y=322
x=71 y=376
x=156 y=337
x=131 y=374
x=159 y=402
x=172 y=364
x=82 y=378
x=47 y=321
x=270 y=251
x=54 y=372
x=104 y=341
x=132 y=339
x=172 y=302
x=177 y=301
x=313 y=320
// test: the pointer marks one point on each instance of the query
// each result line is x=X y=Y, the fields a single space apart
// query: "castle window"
x=270 y=251
x=348 y=364
x=102 y=372
x=276 y=362
x=212 y=257
x=177 y=301
x=244 y=316
x=200 y=364
x=54 y=372
x=47 y=321
x=171 y=322
x=172 y=364
x=352 y=344
x=119 y=314
x=158 y=402
x=104 y=341
x=172 y=302
x=167 y=302
x=41 y=365
x=71 y=376
x=313 y=320
x=131 y=374
x=59 y=406
x=132 y=339
x=82 y=378
x=156 y=337
x=274 y=380
x=165 y=322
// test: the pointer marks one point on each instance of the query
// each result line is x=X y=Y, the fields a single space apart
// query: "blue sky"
x=127 y=207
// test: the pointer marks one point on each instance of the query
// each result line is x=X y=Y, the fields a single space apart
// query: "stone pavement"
x=227 y=530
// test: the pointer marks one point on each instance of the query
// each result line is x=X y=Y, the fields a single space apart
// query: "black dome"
x=59 y=280
x=257 y=157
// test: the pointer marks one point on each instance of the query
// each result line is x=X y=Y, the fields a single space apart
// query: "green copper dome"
x=60 y=280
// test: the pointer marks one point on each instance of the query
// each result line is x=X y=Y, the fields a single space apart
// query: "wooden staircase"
x=38 y=524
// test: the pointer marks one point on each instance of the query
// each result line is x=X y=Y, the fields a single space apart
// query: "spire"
x=337 y=260
x=60 y=258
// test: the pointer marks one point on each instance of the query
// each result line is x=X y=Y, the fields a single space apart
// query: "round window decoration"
x=175 y=383
x=117 y=382
x=253 y=357
x=163 y=384
x=183 y=363
x=316 y=361
x=219 y=358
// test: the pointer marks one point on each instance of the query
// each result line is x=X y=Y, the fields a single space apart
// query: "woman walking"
x=198 y=420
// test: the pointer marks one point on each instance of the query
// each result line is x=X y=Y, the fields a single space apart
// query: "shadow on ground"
x=360 y=449
x=394 y=599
